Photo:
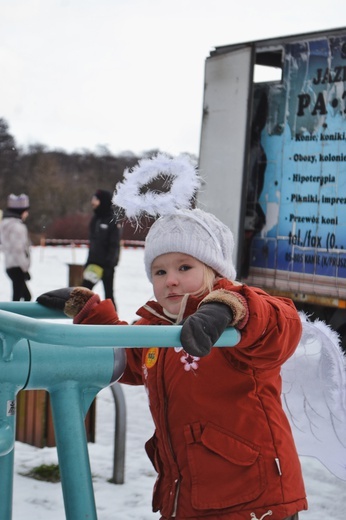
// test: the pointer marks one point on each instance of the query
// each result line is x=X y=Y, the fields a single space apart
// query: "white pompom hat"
x=195 y=233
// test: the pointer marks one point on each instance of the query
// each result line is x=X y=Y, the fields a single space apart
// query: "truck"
x=273 y=162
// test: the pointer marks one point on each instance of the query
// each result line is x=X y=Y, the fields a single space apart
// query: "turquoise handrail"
x=89 y=335
x=73 y=363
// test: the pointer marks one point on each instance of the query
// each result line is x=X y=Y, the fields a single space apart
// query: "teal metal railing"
x=72 y=363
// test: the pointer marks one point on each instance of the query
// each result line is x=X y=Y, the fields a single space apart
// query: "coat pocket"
x=226 y=470
x=151 y=450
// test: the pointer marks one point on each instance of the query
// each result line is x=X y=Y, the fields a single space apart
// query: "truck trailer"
x=273 y=162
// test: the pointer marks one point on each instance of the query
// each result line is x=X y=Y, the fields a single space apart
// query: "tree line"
x=60 y=185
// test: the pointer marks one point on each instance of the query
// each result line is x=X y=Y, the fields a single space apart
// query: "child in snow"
x=15 y=242
x=222 y=446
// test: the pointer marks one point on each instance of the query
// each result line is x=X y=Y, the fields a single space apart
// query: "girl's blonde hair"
x=209 y=277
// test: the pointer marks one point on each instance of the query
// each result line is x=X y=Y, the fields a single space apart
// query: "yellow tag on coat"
x=151 y=357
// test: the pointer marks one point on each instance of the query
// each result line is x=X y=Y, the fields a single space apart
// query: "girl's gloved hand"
x=71 y=300
x=201 y=330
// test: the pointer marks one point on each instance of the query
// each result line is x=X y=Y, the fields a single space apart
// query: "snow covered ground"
x=36 y=500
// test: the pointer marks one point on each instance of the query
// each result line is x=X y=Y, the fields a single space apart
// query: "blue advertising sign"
x=295 y=227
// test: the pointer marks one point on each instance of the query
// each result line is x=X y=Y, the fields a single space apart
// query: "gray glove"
x=201 y=330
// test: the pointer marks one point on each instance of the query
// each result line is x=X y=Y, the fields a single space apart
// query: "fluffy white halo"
x=185 y=182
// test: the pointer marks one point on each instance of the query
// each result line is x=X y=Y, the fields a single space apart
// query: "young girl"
x=222 y=447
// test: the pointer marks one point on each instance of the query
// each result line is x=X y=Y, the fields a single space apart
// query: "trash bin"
x=34 y=421
x=31 y=422
x=75 y=274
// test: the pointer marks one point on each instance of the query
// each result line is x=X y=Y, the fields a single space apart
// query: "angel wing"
x=314 y=396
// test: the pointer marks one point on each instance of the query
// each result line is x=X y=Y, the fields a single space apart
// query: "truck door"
x=228 y=90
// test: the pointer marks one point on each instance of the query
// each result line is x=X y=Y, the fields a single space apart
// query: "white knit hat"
x=195 y=233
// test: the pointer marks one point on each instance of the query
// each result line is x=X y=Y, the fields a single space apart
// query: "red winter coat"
x=222 y=447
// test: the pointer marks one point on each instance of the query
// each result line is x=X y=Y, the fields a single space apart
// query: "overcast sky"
x=127 y=74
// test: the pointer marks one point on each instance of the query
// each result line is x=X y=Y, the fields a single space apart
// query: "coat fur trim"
x=235 y=301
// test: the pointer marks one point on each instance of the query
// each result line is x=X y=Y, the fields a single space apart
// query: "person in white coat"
x=15 y=244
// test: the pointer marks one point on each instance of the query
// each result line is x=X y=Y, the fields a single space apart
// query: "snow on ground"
x=36 y=500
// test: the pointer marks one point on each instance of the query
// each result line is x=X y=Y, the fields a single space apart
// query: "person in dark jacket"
x=104 y=249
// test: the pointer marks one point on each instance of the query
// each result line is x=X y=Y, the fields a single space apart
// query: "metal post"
x=14 y=370
x=119 y=435
x=74 y=464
